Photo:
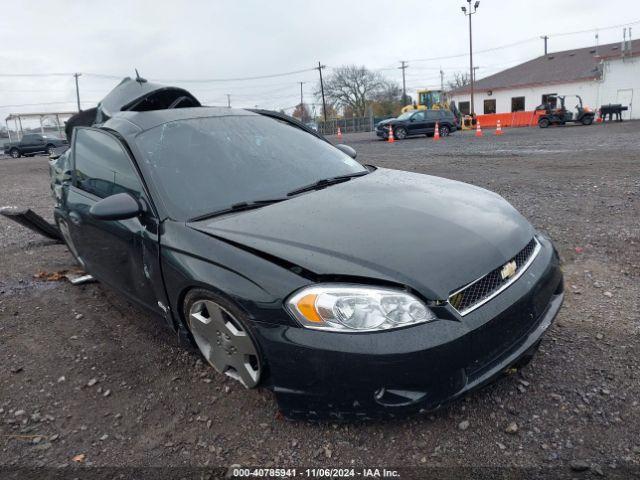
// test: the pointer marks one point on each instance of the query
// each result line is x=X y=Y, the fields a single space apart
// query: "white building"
x=600 y=75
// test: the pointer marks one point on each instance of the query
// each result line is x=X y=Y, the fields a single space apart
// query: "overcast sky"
x=213 y=39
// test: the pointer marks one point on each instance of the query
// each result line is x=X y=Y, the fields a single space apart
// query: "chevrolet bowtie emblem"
x=508 y=270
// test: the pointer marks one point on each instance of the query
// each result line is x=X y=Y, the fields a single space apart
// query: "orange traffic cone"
x=499 y=129
x=436 y=133
x=478 y=129
x=599 y=120
x=390 y=139
x=339 y=135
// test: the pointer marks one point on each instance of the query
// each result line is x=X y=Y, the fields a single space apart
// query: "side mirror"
x=116 y=207
x=347 y=149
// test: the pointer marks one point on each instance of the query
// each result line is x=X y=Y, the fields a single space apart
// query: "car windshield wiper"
x=325 y=182
x=238 y=207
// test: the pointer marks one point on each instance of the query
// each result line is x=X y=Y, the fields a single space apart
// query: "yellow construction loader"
x=429 y=100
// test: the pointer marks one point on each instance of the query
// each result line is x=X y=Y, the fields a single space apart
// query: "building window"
x=517 y=104
x=465 y=108
x=490 y=106
x=551 y=99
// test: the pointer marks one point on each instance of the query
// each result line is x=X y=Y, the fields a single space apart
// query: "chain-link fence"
x=349 y=125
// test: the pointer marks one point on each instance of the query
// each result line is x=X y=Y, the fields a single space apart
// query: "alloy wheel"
x=224 y=342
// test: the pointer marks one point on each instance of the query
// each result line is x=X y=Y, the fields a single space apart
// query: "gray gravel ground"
x=82 y=372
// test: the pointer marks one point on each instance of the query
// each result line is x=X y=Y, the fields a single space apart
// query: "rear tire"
x=14 y=152
x=223 y=335
x=544 y=123
x=444 y=131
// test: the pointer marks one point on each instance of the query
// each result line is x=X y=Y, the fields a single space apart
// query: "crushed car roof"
x=153 y=118
x=129 y=92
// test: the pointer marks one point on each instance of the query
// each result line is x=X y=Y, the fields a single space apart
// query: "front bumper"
x=382 y=132
x=420 y=367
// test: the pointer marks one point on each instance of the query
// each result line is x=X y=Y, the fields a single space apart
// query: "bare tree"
x=387 y=100
x=302 y=113
x=351 y=87
x=459 y=80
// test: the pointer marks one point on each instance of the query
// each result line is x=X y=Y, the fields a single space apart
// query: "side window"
x=418 y=116
x=29 y=138
x=433 y=115
x=102 y=166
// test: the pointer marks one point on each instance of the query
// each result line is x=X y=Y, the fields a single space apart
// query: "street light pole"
x=76 y=75
x=472 y=9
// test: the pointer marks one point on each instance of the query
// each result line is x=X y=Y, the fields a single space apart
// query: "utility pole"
x=471 y=11
x=324 y=104
x=545 y=38
x=228 y=100
x=441 y=80
x=76 y=75
x=302 y=119
x=474 y=73
x=403 y=66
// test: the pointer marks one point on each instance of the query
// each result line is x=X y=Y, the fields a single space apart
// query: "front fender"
x=191 y=259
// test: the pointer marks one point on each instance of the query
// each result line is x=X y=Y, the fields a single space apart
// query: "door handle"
x=75 y=218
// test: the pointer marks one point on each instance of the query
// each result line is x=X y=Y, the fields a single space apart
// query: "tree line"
x=355 y=91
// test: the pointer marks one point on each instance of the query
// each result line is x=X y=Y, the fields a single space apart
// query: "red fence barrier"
x=513 y=119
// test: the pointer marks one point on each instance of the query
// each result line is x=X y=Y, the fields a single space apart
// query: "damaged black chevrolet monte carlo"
x=345 y=289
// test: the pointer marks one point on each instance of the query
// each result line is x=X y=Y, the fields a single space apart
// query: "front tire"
x=222 y=333
x=400 y=133
x=15 y=153
x=444 y=131
x=50 y=149
x=544 y=123
x=587 y=120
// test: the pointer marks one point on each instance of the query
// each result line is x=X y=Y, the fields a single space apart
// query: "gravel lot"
x=82 y=372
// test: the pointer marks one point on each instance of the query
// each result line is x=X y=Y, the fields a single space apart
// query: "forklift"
x=562 y=116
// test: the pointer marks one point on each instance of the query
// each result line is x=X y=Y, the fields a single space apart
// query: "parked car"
x=420 y=122
x=341 y=287
x=312 y=125
x=33 y=143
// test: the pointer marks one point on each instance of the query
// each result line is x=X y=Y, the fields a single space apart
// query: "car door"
x=123 y=254
x=433 y=116
x=29 y=143
x=38 y=143
x=417 y=123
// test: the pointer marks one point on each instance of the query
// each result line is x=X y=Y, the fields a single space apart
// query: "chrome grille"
x=471 y=296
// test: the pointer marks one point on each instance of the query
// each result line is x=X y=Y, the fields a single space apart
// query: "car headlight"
x=352 y=308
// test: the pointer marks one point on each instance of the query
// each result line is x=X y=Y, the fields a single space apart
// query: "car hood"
x=387 y=121
x=426 y=232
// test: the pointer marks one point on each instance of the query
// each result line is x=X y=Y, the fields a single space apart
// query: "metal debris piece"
x=77 y=279
x=31 y=220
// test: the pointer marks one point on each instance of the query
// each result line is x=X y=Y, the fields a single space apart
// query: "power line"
x=237 y=79
x=43 y=103
x=295 y=72
x=527 y=40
